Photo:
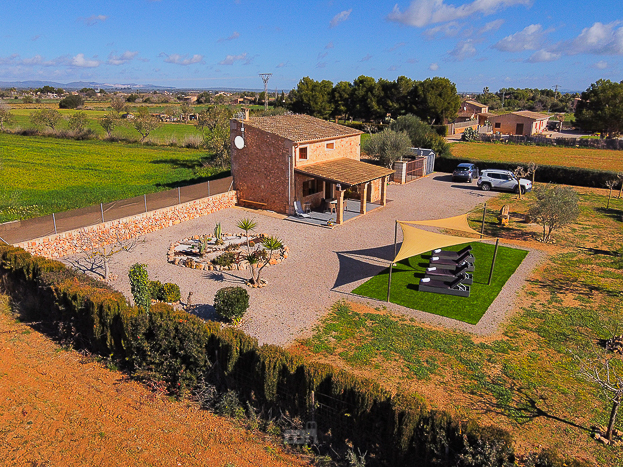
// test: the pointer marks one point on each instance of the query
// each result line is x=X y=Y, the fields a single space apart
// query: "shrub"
x=231 y=303
x=171 y=292
x=70 y=102
x=469 y=134
x=225 y=260
x=140 y=286
x=155 y=290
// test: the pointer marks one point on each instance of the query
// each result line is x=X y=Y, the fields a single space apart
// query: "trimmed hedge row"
x=575 y=176
x=181 y=349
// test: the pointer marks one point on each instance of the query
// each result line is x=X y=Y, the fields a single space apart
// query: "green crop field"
x=597 y=159
x=41 y=175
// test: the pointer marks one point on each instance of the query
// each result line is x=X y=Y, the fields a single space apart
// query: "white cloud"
x=235 y=35
x=283 y=64
x=601 y=65
x=491 y=26
x=397 y=46
x=392 y=68
x=322 y=55
x=231 y=59
x=81 y=62
x=421 y=13
x=366 y=58
x=329 y=45
x=463 y=50
x=433 y=67
x=450 y=29
x=543 y=56
x=601 y=39
x=122 y=59
x=412 y=60
x=321 y=65
x=93 y=19
x=530 y=38
x=183 y=60
x=340 y=18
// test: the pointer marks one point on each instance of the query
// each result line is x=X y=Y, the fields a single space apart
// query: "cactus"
x=217 y=231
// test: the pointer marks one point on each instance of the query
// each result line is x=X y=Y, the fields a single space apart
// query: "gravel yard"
x=323 y=265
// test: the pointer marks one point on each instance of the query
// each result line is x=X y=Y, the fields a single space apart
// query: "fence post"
x=179 y=196
x=145 y=199
x=102 y=211
x=208 y=187
x=54 y=220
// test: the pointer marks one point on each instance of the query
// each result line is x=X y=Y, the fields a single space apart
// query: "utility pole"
x=265 y=77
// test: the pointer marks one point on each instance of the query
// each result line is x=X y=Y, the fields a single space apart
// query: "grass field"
x=42 y=175
x=407 y=273
x=523 y=378
x=598 y=159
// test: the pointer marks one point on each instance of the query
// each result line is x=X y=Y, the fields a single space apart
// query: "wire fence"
x=29 y=229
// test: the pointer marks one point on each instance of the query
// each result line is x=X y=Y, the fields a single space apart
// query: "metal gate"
x=415 y=169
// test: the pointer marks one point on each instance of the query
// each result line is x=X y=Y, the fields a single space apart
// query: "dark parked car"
x=465 y=172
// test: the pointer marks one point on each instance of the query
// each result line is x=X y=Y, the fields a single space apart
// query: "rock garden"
x=229 y=251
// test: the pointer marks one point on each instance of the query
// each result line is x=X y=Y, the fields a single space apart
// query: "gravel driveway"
x=323 y=266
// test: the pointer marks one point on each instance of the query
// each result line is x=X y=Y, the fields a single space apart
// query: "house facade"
x=524 y=123
x=286 y=158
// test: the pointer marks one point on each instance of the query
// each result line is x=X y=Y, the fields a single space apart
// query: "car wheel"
x=485 y=187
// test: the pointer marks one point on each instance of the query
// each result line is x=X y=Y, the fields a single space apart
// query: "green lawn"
x=41 y=175
x=406 y=276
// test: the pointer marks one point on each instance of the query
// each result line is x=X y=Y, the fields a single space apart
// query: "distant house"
x=520 y=123
x=472 y=110
x=278 y=160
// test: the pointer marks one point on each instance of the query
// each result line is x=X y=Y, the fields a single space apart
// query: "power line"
x=265 y=77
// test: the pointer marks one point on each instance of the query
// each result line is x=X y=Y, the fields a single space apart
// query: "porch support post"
x=364 y=198
x=339 y=215
x=384 y=190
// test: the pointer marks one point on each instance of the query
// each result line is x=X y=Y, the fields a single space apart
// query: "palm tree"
x=248 y=225
x=270 y=244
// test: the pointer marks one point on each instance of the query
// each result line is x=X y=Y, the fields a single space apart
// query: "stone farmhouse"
x=524 y=123
x=472 y=110
x=278 y=160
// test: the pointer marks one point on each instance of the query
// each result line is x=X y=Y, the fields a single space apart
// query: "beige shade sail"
x=454 y=223
x=417 y=241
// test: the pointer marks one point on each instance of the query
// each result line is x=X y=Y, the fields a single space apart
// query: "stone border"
x=69 y=243
x=242 y=265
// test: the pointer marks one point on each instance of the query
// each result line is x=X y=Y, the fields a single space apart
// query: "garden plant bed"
x=188 y=252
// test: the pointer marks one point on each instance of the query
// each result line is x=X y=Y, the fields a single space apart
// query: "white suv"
x=502 y=180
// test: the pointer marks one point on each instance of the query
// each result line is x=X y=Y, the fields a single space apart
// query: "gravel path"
x=323 y=266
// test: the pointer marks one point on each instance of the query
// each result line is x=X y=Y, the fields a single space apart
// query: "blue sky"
x=226 y=43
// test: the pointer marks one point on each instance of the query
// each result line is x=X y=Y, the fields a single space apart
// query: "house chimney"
x=246 y=114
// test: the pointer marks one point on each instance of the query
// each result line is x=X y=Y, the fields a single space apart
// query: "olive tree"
x=5 y=115
x=78 y=121
x=144 y=122
x=46 y=117
x=109 y=122
x=555 y=207
x=214 y=126
x=388 y=146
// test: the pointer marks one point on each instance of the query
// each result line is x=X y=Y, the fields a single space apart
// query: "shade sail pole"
x=495 y=253
x=391 y=265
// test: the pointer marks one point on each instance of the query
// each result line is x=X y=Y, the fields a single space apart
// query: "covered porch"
x=328 y=219
x=340 y=189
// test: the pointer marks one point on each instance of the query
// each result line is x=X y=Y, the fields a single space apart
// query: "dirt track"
x=59 y=409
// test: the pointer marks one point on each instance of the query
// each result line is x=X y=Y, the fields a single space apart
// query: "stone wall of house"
x=260 y=169
x=76 y=241
x=348 y=147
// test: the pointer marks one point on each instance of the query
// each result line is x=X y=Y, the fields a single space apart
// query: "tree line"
x=537 y=100
x=434 y=100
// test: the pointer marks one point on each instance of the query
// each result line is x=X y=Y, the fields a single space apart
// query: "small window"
x=331 y=145
x=498 y=124
x=303 y=153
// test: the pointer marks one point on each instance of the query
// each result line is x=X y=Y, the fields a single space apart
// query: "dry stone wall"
x=72 y=242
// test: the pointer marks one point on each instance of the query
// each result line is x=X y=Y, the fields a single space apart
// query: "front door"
x=519 y=129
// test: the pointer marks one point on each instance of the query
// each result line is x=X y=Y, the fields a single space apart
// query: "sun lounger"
x=442 y=287
x=441 y=275
x=448 y=262
x=445 y=270
x=454 y=254
x=299 y=211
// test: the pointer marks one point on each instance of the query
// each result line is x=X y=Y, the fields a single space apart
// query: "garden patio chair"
x=442 y=287
x=299 y=211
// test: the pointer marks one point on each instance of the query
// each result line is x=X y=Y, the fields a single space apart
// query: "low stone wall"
x=73 y=242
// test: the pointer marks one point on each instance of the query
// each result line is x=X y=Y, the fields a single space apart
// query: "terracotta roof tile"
x=345 y=171
x=301 y=128
x=533 y=115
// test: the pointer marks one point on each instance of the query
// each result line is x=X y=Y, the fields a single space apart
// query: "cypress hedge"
x=181 y=349
x=575 y=176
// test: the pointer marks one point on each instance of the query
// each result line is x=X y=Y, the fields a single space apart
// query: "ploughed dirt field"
x=58 y=408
